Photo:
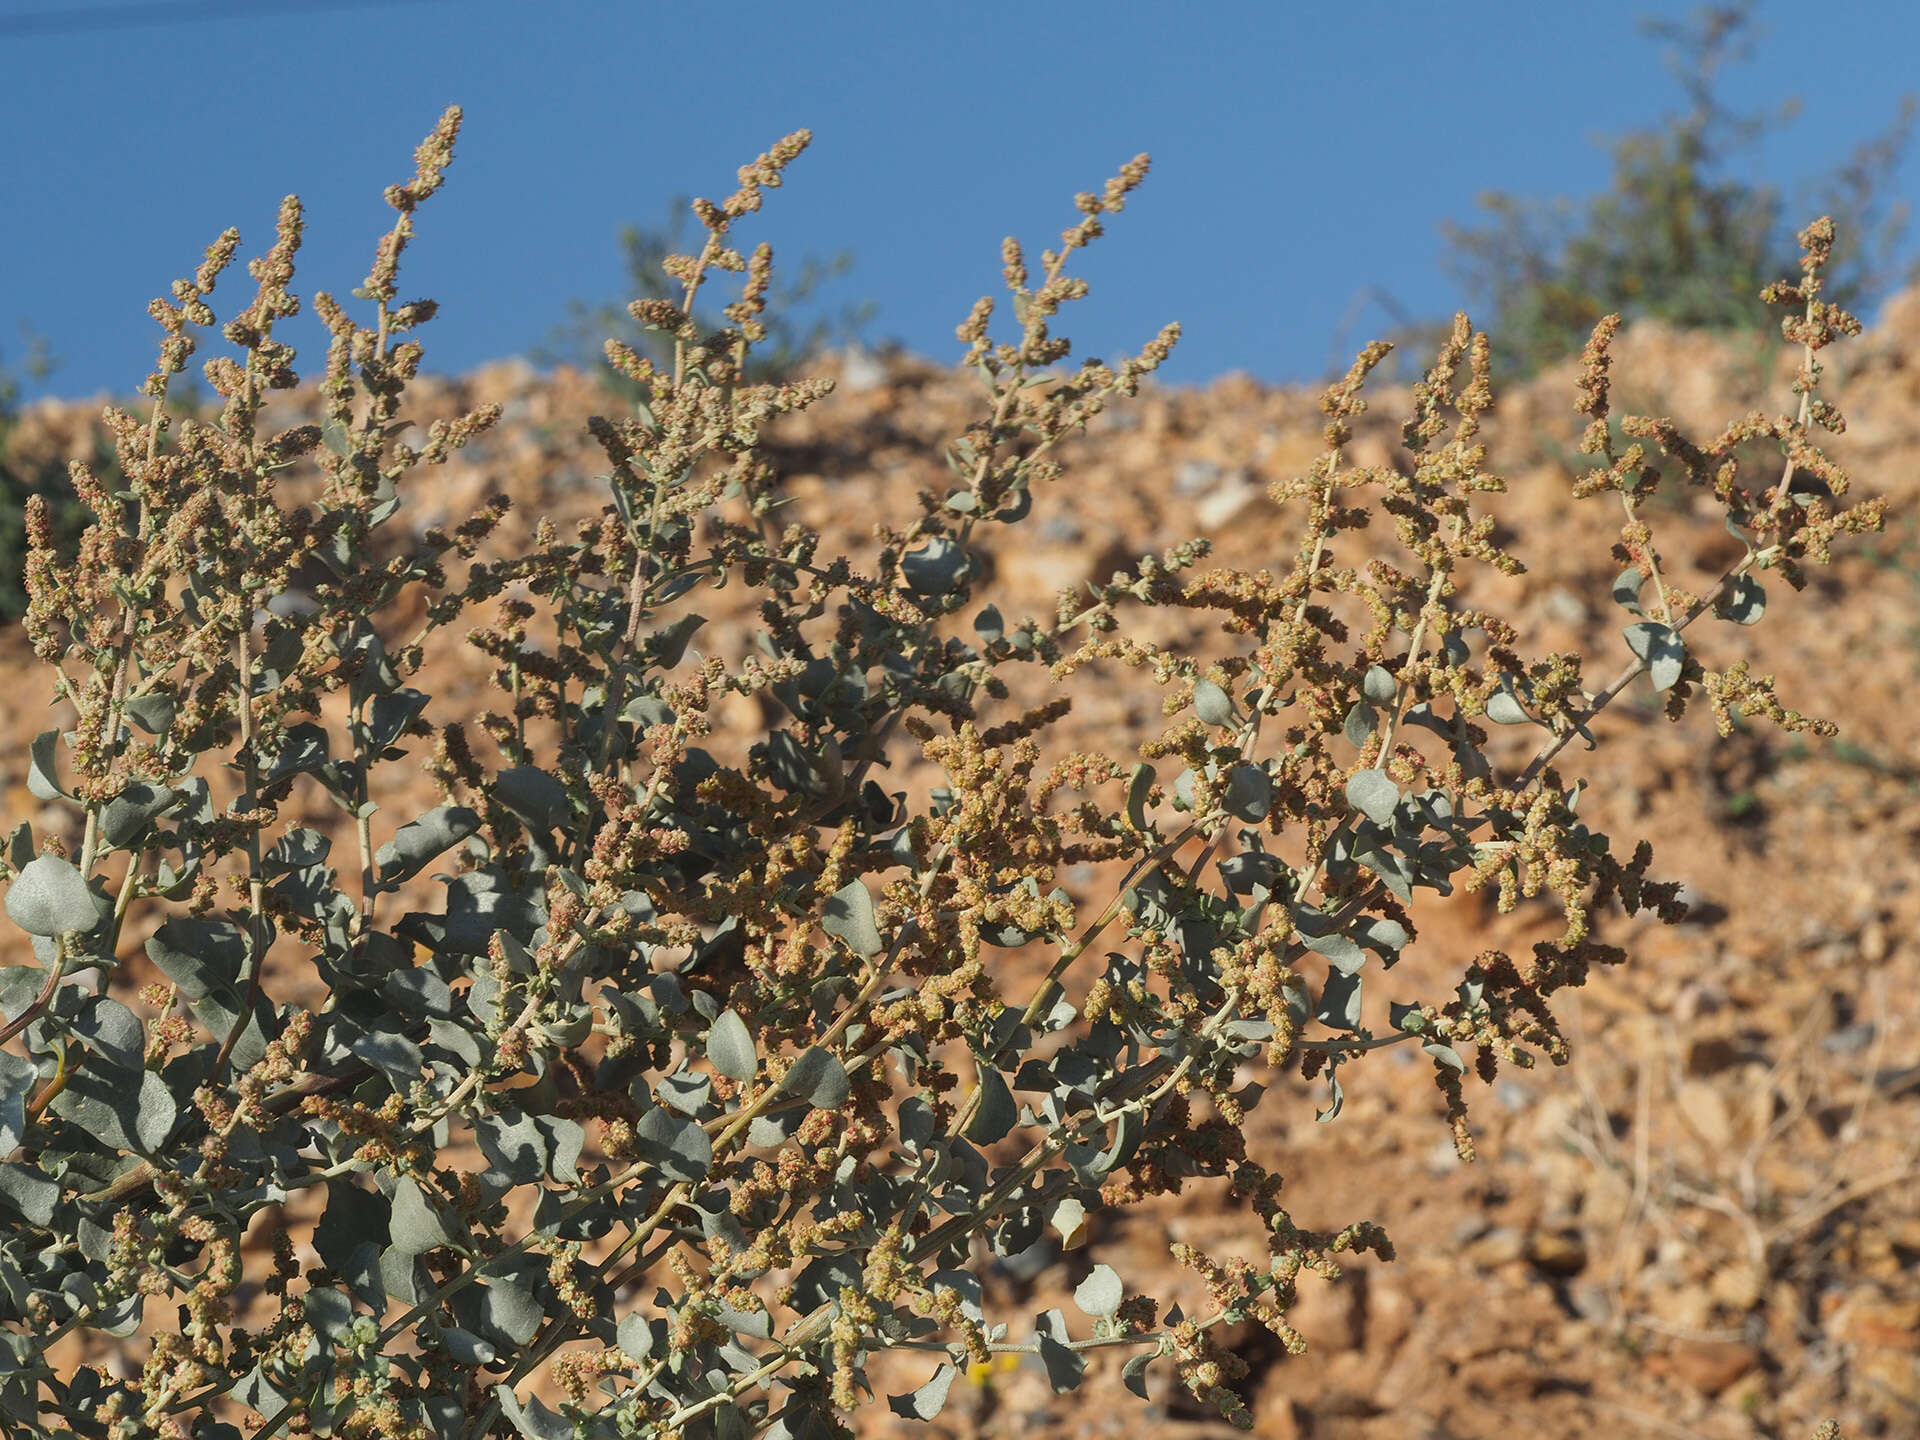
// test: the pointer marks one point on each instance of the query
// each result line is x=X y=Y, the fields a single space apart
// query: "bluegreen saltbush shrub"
x=773 y=1077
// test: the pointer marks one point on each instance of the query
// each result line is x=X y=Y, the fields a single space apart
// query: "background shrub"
x=1677 y=236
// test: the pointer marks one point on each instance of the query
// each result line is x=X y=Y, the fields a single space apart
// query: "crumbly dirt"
x=1706 y=1226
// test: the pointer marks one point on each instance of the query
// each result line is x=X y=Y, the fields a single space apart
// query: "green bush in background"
x=20 y=478
x=1676 y=237
x=789 y=346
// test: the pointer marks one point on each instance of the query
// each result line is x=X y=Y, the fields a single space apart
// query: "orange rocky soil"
x=1705 y=1226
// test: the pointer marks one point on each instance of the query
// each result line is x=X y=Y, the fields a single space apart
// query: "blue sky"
x=1302 y=153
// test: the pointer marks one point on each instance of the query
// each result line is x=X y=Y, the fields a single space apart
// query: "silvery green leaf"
x=730 y=1047
x=376 y=674
x=1374 y=795
x=635 y=1336
x=43 y=780
x=1662 y=650
x=1743 y=602
x=417 y=843
x=1504 y=707
x=820 y=1077
x=20 y=846
x=354 y=1216
x=417 y=1225
x=26 y=1187
x=390 y=714
x=926 y=1402
x=129 y=813
x=1249 y=793
x=329 y=1311
x=1626 y=589
x=669 y=645
x=51 y=897
x=483 y=998
x=935 y=569
x=152 y=713
x=1183 y=789
x=454 y=1038
x=19 y=984
x=1385 y=935
x=1358 y=726
x=675 y=1144
x=533 y=1420
x=1138 y=790
x=256 y=1392
x=1069 y=1218
x=1446 y=1055
x=771 y=1131
x=1133 y=1374
x=113 y=1030
x=647 y=710
x=298 y=849
x=511 y=1308
x=565 y=1140
x=466 y=1348
x=1211 y=703
x=391 y=1053
x=1394 y=872
x=997 y=1112
x=1336 y=1097
x=1065 y=1368
x=1340 y=1001
x=1379 y=686
x=850 y=917
x=513 y=1145
x=755 y=1324
x=304 y=748
x=687 y=1092
x=1100 y=1294
x=1341 y=953
x=535 y=796
x=18 y=1077
x=989 y=625
x=127 y=1114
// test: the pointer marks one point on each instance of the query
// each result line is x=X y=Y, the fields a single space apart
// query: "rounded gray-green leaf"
x=1744 y=602
x=850 y=917
x=730 y=1047
x=997 y=1114
x=926 y=1402
x=1249 y=793
x=1211 y=703
x=417 y=1225
x=1504 y=707
x=1661 y=648
x=1139 y=788
x=418 y=842
x=50 y=897
x=1070 y=1219
x=1100 y=1294
x=677 y=1145
x=1374 y=795
x=820 y=1077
